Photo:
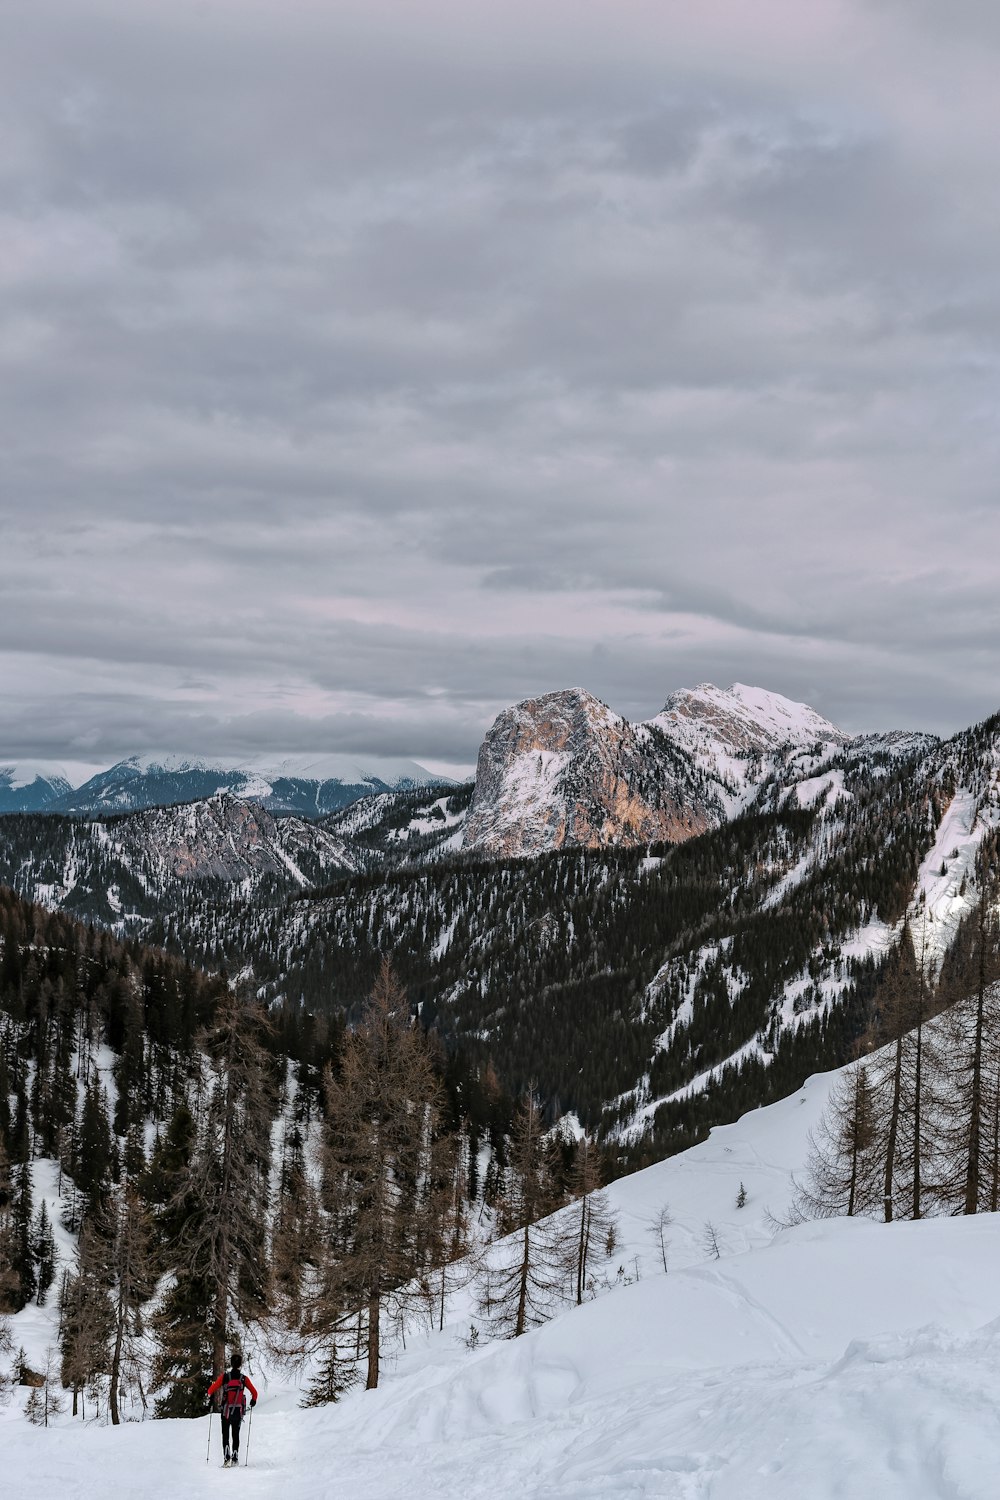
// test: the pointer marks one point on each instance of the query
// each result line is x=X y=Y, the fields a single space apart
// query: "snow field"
x=836 y=1359
x=846 y=1360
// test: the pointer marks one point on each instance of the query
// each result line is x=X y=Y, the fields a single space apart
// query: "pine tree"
x=44 y=1401
x=526 y=1272
x=181 y=1323
x=296 y=1231
x=10 y=1281
x=129 y=1233
x=23 y=1261
x=224 y=1240
x=596 y=1221
x=85 y=1315
x=43 y=1253
x=898 y=1078
x=337 y=1374
x=973 y=1050
x=382 y=1110
x=6 y=1350
x=658 y=1226
x=92 y=1166
x=844 y=1171
x=446 y=1223
x=184 y=1350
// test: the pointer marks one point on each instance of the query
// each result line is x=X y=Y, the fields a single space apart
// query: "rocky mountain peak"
x=742 y=720
x=226 y=838
x=564 y=769
x=555 y=723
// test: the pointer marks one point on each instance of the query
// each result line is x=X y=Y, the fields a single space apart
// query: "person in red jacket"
x=233 y=1403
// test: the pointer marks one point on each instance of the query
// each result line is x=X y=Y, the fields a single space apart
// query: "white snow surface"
x=20 y=774
x=742 y=718
x=815 y=791
x=838 y=1359
x=946 y=890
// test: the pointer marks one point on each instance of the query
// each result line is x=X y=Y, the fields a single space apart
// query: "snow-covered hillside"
x=842 y=1359
x=126 y=871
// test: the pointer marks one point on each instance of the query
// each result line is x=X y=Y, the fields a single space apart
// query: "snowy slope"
x=842 y=1359
x=742 y=720
x=413 y=825
x=29 y=787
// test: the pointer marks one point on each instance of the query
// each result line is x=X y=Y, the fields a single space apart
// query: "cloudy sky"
x=368 y=365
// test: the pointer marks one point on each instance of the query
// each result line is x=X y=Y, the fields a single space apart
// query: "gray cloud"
x=366 y=370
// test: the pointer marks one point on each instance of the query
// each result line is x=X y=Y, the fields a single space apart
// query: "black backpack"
x=233 y=1398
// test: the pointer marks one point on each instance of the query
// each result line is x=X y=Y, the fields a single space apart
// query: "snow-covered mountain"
x=392 y=829
x=310 y=785
x=31 y=787
x=139 y=868
x=651 y=989
x=227 y=839
x=564 y=770
x=643 y=977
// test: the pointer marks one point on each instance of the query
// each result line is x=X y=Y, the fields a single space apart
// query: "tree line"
x=912 y=1127
x=221 y=1189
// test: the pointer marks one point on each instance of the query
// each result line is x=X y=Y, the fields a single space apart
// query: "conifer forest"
x=301 y=1119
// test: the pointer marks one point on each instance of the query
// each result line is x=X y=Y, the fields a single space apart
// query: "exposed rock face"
x=565 y=770
x=224 y=838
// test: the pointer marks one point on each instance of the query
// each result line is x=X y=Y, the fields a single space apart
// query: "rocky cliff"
x=565 y=770
x=225 y=838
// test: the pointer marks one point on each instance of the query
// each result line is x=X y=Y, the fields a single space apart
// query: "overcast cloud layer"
x=368 y=366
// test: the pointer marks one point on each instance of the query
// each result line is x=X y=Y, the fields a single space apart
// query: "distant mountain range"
x=310 y=786
x=659 y=923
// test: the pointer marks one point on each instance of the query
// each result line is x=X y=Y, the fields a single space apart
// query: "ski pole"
x=246 y=1461
x=208 y=1450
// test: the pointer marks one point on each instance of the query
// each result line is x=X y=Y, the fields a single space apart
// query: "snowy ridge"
x=310 y=785
x=743 y=720
x=565 y=769
x=26 y=773
x=946 y=890
x=31 y=786
x=353 y=770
